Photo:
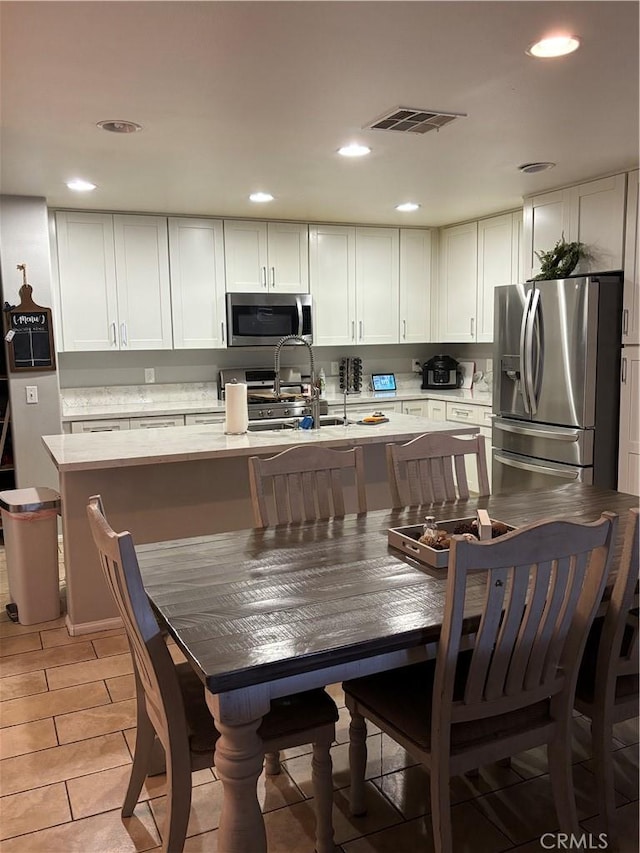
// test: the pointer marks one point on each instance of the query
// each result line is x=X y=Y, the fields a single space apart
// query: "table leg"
x=239 y=759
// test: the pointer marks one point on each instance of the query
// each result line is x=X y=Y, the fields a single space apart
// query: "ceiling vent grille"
x=412 y=120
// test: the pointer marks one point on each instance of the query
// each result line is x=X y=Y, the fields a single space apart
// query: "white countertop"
x=101 y=450
x=138 y=409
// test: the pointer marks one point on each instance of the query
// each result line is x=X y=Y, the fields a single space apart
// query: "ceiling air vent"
x=412 y=120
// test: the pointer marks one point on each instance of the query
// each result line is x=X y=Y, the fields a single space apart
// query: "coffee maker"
x=442 y=372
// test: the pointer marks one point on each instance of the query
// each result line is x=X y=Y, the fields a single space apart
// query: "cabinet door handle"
x=360 y=327
x=625 y=321
x=273 y=276
x=461 y=412
x=123 y=334
x=114 y=340
x=404 y=328
x=222 y=332
x=471 y=325
x=353 y=330
x=263 y=274
x=623 y=371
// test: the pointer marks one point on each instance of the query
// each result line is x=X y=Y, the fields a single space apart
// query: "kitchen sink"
x=263 y=426
x=293 y=423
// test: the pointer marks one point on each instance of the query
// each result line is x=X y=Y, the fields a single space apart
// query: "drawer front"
x=466 y=413
x=100 y=426
x=415 y=407
x=157 y=422
x=462 y=413
x=204 y=418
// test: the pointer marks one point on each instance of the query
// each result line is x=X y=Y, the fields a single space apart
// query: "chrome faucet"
x=314 y=392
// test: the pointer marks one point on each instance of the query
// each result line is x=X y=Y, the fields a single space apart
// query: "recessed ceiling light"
x=354 y=150
x=119 y=126
x=407 y=206
x=554 y=46
x=80 y=186
x=260 y=197
x=531 y=168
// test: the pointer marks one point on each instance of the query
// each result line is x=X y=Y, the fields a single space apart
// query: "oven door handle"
x=300 y=321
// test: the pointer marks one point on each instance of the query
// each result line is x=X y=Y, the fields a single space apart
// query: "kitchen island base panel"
x=159 y=502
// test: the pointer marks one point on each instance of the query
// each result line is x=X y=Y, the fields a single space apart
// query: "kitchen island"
x=185 y=481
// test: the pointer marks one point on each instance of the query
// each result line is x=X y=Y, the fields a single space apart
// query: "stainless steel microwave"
x=261 y=319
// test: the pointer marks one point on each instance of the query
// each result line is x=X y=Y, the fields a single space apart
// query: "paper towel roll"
x=235 y=406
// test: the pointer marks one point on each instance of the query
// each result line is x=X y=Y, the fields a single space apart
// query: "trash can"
x=30 y=526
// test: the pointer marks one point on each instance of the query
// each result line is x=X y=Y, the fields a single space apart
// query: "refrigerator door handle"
x=536 y=469
x=523 y=364
x=537 y=432
x=529 y=373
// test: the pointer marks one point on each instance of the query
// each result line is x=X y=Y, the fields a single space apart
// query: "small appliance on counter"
x=442 y=372
x=351 y=375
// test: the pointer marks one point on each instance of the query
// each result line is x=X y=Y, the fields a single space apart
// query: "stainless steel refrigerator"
x=556 y=382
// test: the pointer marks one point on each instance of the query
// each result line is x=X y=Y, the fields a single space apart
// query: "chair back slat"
x=513 y=622
x=543 y=585
x=432 y=467
x=305 y=484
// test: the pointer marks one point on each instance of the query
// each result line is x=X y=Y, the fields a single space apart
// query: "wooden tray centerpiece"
x=407 y=539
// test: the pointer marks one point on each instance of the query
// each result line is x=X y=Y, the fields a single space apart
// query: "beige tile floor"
x=67 y=718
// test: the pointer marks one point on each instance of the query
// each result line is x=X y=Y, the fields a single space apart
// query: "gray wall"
x=90 y=369
x=24 y=238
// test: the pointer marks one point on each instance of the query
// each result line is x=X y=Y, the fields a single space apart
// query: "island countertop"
x=102 y=450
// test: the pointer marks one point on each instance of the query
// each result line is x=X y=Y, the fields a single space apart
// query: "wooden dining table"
x=265 y=613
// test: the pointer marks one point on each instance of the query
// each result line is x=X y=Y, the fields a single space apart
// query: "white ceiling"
x=243 y=96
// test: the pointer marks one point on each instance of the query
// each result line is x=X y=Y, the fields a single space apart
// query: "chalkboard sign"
x=29 y=334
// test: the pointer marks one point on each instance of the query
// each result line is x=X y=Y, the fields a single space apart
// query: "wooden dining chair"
x=305 y=484
x=432 y=468
x=537 y=589
x=171 y=703
x=608 y=681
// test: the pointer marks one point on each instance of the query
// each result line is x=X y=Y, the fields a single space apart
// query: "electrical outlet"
x=335 y=368
x=149 y=375
x=32 y=393
x=416 y=366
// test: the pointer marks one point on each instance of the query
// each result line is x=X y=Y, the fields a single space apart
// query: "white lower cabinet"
x=415 y=407
x=436 y=410
x=114 y=425
x=156 y=422
x=629 y=448
x=204 y=418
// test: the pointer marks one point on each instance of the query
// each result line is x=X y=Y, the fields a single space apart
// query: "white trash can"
x=30 y=526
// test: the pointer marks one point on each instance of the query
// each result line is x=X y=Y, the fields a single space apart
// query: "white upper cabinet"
x=415 y=286
x=87 y=299
x=142 y=278
x=630 y=315
x=113 y=279
x=377 y=285
x=496 y=255
x=266 y=256
x=629 y=448
x=354 y=284
x=592 y=213
x=475 y=258
x=332 y=265
x=196 y=252
x=457 y=286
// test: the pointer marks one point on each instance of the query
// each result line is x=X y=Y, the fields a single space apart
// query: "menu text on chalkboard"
x=29 y=333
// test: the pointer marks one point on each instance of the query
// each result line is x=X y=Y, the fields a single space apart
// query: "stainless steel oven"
x=261 y=319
